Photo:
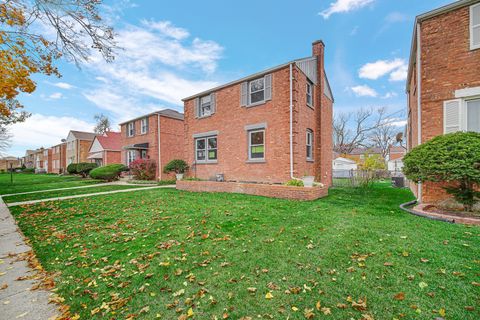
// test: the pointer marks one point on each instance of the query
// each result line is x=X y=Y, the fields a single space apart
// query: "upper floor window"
x=309 y=94
x=144 y=125
x=256 y=91
x=206 y=149
x=309 y=142
x=475 y=26
x=256 y=145
x=205 y=106
x=130 y=129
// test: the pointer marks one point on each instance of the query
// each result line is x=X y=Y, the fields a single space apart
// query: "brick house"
x=9 y=162
x=39 y=157
x=106 y=149
x=443 y=84
x=157 y=136
x=78 y=144
x=47 y=160
x=270 y=127
x=29 y=159
x=59 y=160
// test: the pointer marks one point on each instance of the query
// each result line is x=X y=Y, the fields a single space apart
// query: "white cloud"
x=167 y=29
x=55 y=96
x=378 y=69
x=364 y=91
x=340 y=6
x=395 y=17
x=63 y=85
x=400 y=74
x=41 y=130
x=389 y=95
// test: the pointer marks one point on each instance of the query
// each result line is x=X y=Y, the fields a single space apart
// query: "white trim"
x=250 y=145
x=472 y=26
x=309 y=132
x=467 y=92
x=205 y=134
x=256 y=126
x=249 y=96
x=460 y=123
x=207 y=149
x=146 y=125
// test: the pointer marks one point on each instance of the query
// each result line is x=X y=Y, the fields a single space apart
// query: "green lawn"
x=169 y=253
x=64 y=193
x=25 y=182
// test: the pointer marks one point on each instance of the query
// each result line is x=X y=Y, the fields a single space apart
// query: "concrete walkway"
x=115 y=183
x=17 y=301
x=86 y=195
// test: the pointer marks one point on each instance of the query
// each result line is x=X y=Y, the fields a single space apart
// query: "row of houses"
x=393 y=158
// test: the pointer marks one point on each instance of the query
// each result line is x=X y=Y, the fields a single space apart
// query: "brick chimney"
x=323 y=115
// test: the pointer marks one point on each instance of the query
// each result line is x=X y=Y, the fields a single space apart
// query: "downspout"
x=158 y=132
x=419 y=101
x=291 y=123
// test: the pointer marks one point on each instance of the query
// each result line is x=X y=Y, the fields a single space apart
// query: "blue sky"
x=172 y=49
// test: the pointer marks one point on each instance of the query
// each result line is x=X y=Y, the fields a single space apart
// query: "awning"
x=138 y=146
x=96 y=155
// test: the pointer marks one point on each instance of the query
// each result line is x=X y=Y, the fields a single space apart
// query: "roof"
x=110 y=140
x=170 y=113
x=259 y=74
x=344 y=160
x=9 y=158
x=398 y=150
x=425 y=16
x=365 y=150
x=82 y=135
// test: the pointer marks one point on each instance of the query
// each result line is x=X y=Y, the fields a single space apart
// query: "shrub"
x=109 y=172
x=84 y=168
x=192 y=179
x=28 y=170
x=143 y=169
x=72 y=168
x=176 y=165
x=453 y=157
x=294 y=183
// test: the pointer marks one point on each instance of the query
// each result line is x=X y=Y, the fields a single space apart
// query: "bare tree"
x=5 y=140
x=383 y=137
x=103 y=123
x=353 y=132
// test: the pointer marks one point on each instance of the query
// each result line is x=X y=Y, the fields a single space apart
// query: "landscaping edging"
x=418 y=211
x=257 y=189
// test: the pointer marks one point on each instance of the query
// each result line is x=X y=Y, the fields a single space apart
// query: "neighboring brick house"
x=59 y=160
x=106 y=149
x=47 y=160
x=142 y=136
x=270 y=127
x=358 y=154
x=39 y=160
x=78 y=144
x=9 y=162
x=443 y=83
x=29 y=159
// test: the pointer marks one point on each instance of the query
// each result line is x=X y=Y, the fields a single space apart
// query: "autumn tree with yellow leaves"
x=34 y=34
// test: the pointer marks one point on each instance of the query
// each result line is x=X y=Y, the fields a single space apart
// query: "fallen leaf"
x=252 y=290
x=442 y=312
x=326 y=311
x=422 y=285
x=399 y=296
x=269 y=295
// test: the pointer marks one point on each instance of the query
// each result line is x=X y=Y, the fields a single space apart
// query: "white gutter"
x=419 y=101
x=158 y=146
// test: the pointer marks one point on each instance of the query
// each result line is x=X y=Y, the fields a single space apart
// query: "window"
x=206 y=149
x=143 y=154
x=131 y=156
x=475 y=27
x=309 y=94
x=256 y=145
x=256 y=89
x=130 y=129
x=309 y=144
x=144 y=125
x=473 y=115
x=205 y=106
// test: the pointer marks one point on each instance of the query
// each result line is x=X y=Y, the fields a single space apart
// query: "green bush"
x=176 y=165
x=109 y=172
x=192 y=179
x=28 y=170
x=72 y=168
x=294 y=183
x=453 y=157
x=84 y=168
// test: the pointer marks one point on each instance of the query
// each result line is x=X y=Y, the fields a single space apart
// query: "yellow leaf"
x=190 y=312
x=318 y=305
x=442 y=312
x=294 y=308
x=269 y=295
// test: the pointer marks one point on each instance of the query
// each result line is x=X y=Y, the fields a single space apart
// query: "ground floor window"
x=256 y=144
x=309 y=144
x=473 y=115
x=206 y=149
x=143 y=154
x=131 y=156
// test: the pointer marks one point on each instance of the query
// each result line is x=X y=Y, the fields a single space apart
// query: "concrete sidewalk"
x=86 y=195
x=17 y=301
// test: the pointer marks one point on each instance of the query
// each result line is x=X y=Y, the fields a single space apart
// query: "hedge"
x=109 y=172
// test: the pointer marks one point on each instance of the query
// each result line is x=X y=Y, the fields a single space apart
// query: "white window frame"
x=207 y=149
x=309 y=144
x=466 y=109
x=201 y=106
x=463 y=112
x=250 y=145
x=309 y=86
x=472 y=46
x=144 y=125
x=131 y=156
x=130 y=129
x=250 y=92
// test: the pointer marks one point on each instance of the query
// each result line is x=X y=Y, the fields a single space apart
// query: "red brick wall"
x=272 y=191
x=447 y=65
x=171 y=143
x=230 y=120
x=60 y=156
x=83 y=151
x=111 y=157
x=49 y=159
